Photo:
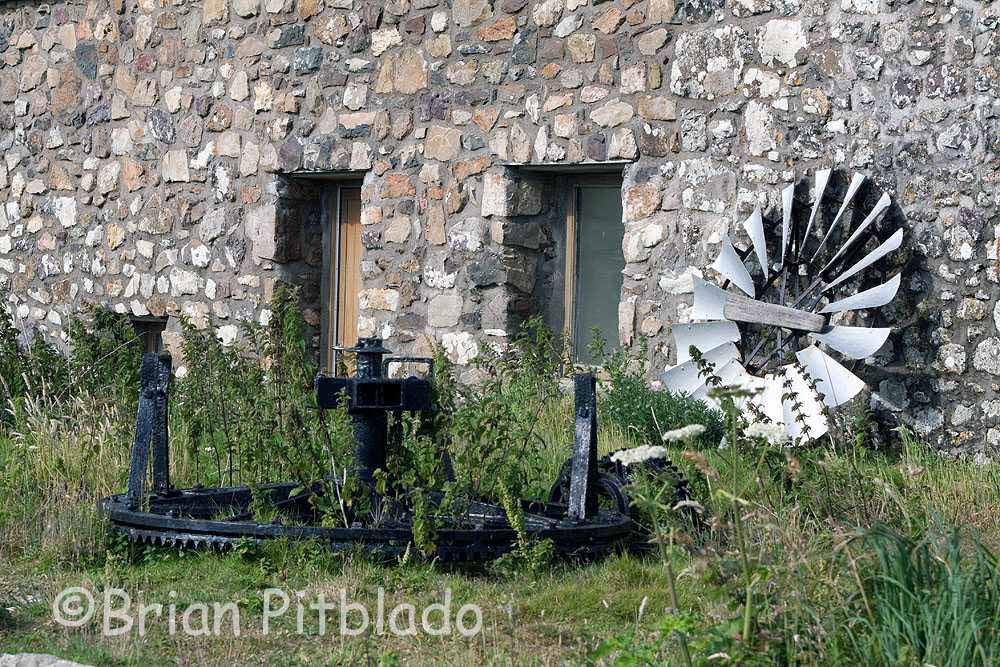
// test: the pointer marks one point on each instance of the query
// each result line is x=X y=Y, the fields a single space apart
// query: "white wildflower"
x=774 y=434
x=689 y=432
x=629 y=457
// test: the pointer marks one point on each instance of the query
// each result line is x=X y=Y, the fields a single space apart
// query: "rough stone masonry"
x=150 y=152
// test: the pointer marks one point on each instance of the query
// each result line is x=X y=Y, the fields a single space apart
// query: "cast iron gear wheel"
x=612 y=482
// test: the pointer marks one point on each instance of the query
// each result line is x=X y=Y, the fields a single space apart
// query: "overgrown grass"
x=55 y=470
x=836 y=553
x=817 y=525
x=65 y=427
x=929 y=599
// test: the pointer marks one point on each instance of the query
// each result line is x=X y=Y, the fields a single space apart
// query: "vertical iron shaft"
x=150 y=430
x=370 y=426
x=161 y=436
x=583 y=482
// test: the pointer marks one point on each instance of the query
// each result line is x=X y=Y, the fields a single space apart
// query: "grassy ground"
x=54 y=539
x=543 y=620
x=557 y=616
x=853 y=550
x=57 y=541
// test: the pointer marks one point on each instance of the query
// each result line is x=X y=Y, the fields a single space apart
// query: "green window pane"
x=599 y=265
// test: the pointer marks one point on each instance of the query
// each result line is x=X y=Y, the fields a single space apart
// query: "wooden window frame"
x=333 y=203
x=150 y=329
x=572 y=203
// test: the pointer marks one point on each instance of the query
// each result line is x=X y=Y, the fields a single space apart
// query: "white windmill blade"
x=810 y=410
x=837 y=384
x=755 y=230
x=729 y=264
x=768 y=401
x=883 y=203
x=754 y=386
x=852 y=190
x=787 y=199
x=891 y=244
x=732 y=375
x=870 y=298
x=709 y=301
x=684 y=378
x=822 y=179
x=854 y=342
x=704 y=336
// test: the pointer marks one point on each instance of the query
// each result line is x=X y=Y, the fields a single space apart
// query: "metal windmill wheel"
x=770 y=328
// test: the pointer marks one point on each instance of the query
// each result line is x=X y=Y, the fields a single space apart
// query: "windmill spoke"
x=859 y=234
x=787 y=202
x=757 y=368
x=889 y=245
x=781 y=295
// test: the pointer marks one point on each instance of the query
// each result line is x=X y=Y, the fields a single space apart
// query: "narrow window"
x=594 y=263
x=149 y=330
x=343 y=273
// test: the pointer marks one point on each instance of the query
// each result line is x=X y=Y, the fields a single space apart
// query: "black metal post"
x=583 y=482
x=151 y=429
x=370 y=425
x=144 y=423
x=161 y=435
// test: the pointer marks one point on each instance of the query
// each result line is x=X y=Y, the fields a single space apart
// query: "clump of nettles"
x=528 y=553
x=633 y=405
x=491 y=428
x=246 y=413
x=483 y=438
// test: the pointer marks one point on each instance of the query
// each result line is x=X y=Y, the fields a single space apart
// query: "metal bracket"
x=426 y=361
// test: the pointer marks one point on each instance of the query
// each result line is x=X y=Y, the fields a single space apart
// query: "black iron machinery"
x=574 y=519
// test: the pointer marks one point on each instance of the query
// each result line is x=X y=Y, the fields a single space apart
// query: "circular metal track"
x=189 y=518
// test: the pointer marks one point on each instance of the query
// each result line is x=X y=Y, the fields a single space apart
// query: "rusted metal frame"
x=172 y=516
x=784 y=344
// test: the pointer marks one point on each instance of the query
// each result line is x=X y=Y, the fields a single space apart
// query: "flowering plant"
x=640 y=454
x=773 y=434
x=689 y=432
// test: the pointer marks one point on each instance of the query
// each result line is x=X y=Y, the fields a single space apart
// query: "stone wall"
x=150 y=153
